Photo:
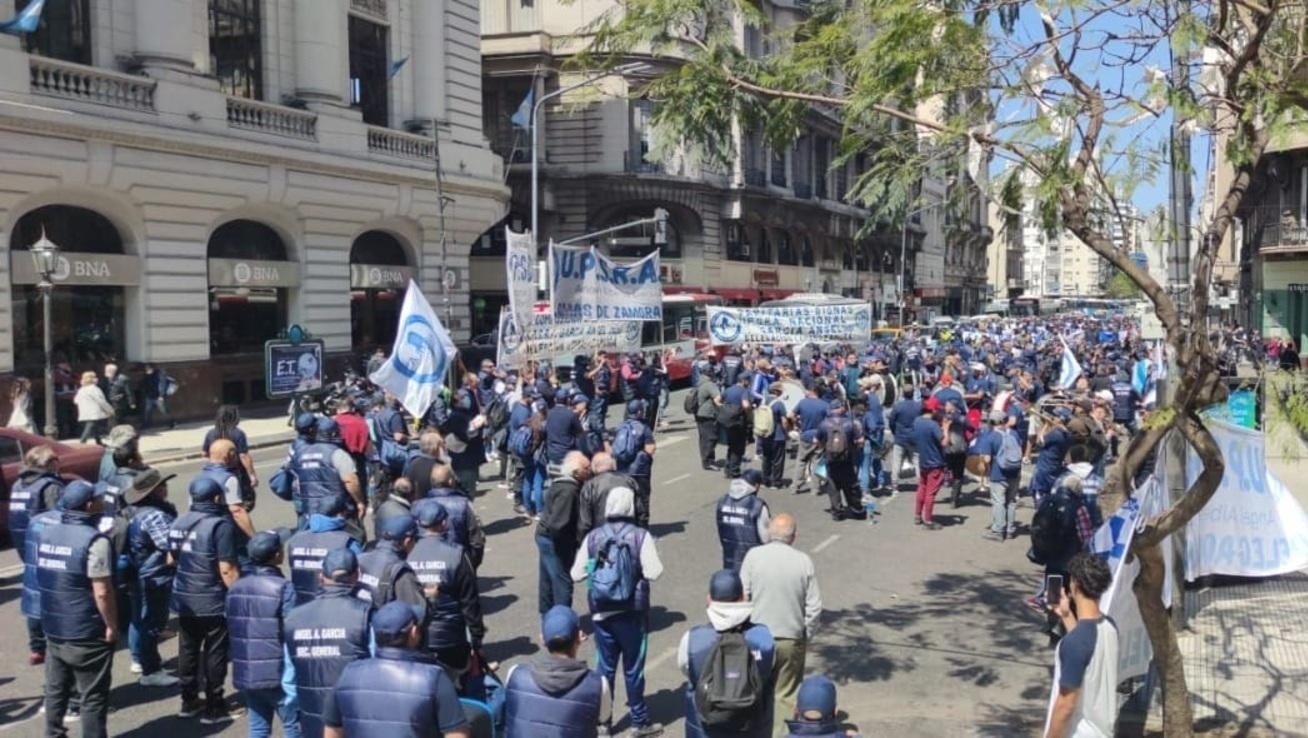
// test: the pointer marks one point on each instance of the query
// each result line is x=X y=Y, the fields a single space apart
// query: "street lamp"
x=45 y=255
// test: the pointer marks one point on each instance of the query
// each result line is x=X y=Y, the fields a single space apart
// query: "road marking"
x=661 y=658
x=10 y=570
x=676 y=479
x=830 y=540
x=671 y=440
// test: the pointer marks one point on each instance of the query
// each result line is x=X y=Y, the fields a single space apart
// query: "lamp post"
x=45 y=255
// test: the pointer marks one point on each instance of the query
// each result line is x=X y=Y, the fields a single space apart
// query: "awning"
x=776 y=294
x=680 y=290
x=737 y=294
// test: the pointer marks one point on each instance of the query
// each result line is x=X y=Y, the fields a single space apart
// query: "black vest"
x=457 y=504
x=197 y=589
x=254 y=620
x=378 y=570
x=738 y=528
x=531 y=712
x=436 y=562
x=27 y=500
x=323 y=637
x=305 y=551
x=318 y=479
x=390 y=695
x=68 y=609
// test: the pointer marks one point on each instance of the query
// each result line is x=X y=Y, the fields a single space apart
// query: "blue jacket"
x=198 y=590
x=457 y=609
x=737 y=519
x=397 y=693
x=322 y=637
x=68 y=609
x=458 y=529
x=306 y=550
x=30 y=605
x=699 y=643
x=902 y=417
x=150 y=561
x=318 y=479
x=26 y=500
x=378 y=571
x=256 y=607
x=552 y=696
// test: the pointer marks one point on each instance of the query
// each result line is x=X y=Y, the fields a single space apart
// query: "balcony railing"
x=756 y=177
x=400 y=144
x=1272 y=228
x=90 y=84
x=634 y=163
x=804 y=191
x=276 y=120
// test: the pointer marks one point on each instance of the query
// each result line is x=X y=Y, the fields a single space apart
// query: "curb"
x=174 y=455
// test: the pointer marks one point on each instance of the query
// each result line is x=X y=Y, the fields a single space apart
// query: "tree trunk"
x=1178 y=718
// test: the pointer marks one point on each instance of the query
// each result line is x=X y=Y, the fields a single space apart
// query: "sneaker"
x=136 y=667
x=158 y=679
x=930 y=525
x=991 y=535
x=647 y=731
x=72 y=716
x=519 y=509
x=221 y=713
x=35 y=658
x=191 y=708
x=917 y=521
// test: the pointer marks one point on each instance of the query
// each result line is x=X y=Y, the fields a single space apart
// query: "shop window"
x=376 y=291
x=242 y=318
x=369 y=70
x=236 y=47
x=64 y=32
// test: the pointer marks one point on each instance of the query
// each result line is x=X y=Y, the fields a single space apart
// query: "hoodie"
x=619 y=508
x=319 y=523
x=556 y=674
x=739 y=490
x=723 y=616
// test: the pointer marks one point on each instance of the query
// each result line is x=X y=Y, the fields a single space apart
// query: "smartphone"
x=1053 y=589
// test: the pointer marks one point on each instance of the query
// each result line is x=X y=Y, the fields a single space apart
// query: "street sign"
x=291 y=367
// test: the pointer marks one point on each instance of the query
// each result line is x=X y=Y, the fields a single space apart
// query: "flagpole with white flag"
x=1071 y=368
x=421 y=357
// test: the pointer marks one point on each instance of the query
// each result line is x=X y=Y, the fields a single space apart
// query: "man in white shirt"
x=1083 y=703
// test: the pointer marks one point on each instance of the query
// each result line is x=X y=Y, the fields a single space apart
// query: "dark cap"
x=725 y=586
x=753 y=477
x=340 y=565
x=76 y=494
x=305 y=423
x=264 y=546
x=429 y=512
x=816 y=699
x=392 y=621
x=328 y=428
x=397 y=527
x=204 y=489
x=143 y=484
x=579 y=399
x=559 y=624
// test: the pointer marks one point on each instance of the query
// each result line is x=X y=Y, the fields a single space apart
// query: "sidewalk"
x=183 y=442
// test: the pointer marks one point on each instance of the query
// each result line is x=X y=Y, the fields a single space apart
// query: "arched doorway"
x=250 y=278
x=88 y=303
x=379 y=274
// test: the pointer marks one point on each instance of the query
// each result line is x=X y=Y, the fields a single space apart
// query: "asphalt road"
x=925 y=632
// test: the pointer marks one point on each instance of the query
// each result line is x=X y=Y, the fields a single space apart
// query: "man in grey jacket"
x=595 y=492
x=781 y=582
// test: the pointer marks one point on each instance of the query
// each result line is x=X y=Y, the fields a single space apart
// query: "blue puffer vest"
x=306 y=550
x=738 y=528
x=698 y=646
x=436 y=562
x=634 y=537
x=378 y=570
x=323 y=637
x=31 y=598
x=219 y=474
x=318 y=479
x=457 y=504
x=531 y=712
x=150 y=562
x=254 y=620
x=392 y=694
x=68 y=609
x=197 y=589
x=27 y=500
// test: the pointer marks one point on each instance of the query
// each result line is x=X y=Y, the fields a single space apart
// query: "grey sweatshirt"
x=781 y=583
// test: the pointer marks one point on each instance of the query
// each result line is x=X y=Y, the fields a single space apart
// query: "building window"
x=821 y=163
x=785 y=251
x=847 y=258
x=642 y=137
x=806 y=252
x=242 y=317
x=778 y=168
x=737 y=247
x=378 y=272
x=235 y=47
x=368 y=71
x=638 y=242
x=764 y=247
x=64 y=32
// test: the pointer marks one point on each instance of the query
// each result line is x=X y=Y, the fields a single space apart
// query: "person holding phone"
x=1084 y=694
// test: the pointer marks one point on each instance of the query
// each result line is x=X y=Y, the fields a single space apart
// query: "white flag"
x=420 y=358
x=520 y=274
x=1071 y=368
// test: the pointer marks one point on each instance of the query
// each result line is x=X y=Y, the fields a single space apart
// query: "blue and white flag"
x=396 y=66
x=25 y=22
x=522 y=118
x=1071 y=368
x=420 y=358
x=1111 y=540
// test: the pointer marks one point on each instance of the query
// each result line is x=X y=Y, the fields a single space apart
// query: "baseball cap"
x=559 y=624
x=430 y=512
x=328 y=428
x=396 y=527
x=579 y=399
x=752 y=476
x=816 y=699
x=263 y=547
x=932 y=404
x=143 y=484
x=340 y=564
x=76 y=494
x=998 y=416
x=393 y=620
x=120 y=436
x=204 y=489
x=305 y=422
x=725 y=586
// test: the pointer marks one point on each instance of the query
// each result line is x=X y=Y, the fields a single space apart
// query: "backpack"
x=1010 y=452
x=282 y=483
x=498 y=414
x=729 y=689
x=691 y=403
x=1053 y=524
x=731 y=415
x=837 y=445
x=522 y=442
x=613 y=578
x=626 y=442
x=764 y=423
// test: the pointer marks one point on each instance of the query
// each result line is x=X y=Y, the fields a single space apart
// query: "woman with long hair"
x=226 y=425
x=20 y=403
x=93 y=408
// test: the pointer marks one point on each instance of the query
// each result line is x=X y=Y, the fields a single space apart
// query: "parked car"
x=76 y=461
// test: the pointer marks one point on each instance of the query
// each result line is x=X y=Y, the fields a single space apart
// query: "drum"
x=976 y=466
x=791 y=393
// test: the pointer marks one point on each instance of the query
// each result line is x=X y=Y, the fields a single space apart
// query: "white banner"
x=790 y=325
x=560 y=340
x=587 y=285
x=422 y=354
x=520 y=273
x=1253 y=526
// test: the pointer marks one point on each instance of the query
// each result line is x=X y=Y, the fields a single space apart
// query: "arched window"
x=785 y=251
x=379 y=275
x=249 y=279
x=764 y=247
x=638 y=241
x=847 y=257
x=806 y=251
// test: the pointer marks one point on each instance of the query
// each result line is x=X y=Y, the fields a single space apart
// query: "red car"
x=75 y=460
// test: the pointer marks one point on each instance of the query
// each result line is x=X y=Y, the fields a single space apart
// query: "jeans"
x=1003 y=503
x=84 y=665
x=787 y=673
x=736 y=437
x=900 y=455
x=35 y=636
x=153 y=404
x=555 y=586
x=203 y=649
x=929 y=482
x=708 y=440
x=533 y=486
x=773 y=453
x=599 y=412
x=262 y=703
x=870 y=473
x=809 y=453
x=624 y=635
x=149 y=613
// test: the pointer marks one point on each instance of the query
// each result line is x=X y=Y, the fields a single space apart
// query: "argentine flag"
x=420 y=358
x=1111 y=540
x=25 y=22
x=1070 y=370
x=522 y=118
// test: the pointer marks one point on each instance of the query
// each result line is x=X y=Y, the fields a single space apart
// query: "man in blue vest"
x=150 y=516
x=815 y=711
x=203 y=543
x=728 y=612
x=30 y=601
x=742 y=518
x=455 y=629
x=36 y=491
x=79 y=610
x=639 y=465
x=324 y=470
x=554 y=693
x=222 y=468
x=257 y=606
x=383 y=574
x=464 y=527
x=622 y=627
x=325 y=635
x=307 y=548
x=399 y=693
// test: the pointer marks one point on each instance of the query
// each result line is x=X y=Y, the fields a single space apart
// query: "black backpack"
x=729 y=690
x=1053 y=526
x=691 y=402
x=837 y=445
x=731 y=415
